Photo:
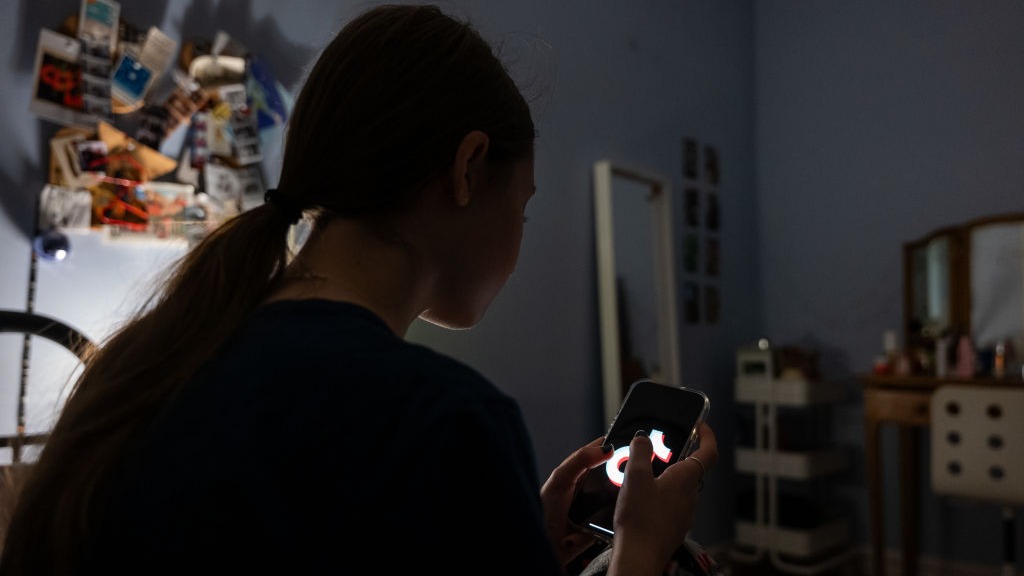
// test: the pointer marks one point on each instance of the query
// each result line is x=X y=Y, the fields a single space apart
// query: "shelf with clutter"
x=159 y=140
x=783 y=518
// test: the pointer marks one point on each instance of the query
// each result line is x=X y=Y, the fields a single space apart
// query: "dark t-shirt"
x=319 y=442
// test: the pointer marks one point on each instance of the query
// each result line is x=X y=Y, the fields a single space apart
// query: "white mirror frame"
x=660 y=197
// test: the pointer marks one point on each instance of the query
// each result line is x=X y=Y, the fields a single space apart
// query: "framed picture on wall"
x=711 y=264
x=711 y=218
x=691 y=207
x=711 y=173
x=712 y=304
x=691 y=302
x=691 y=253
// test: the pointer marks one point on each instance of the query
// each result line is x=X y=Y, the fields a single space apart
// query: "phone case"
x=670 y=415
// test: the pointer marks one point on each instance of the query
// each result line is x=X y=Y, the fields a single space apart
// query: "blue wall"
x=843 y=129
x=625 y=81
x=877 y=122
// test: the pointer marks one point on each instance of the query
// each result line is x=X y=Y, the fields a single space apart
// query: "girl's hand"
x=653 y=515
x=556 y=495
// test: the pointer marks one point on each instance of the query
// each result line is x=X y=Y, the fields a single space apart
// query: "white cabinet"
x=778 y=527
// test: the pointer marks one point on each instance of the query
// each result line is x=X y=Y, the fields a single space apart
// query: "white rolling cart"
x=795 y=550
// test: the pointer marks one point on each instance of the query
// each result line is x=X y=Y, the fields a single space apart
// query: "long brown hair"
x=382 y=112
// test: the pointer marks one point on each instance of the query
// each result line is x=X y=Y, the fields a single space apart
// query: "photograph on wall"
x=712 y=304
x=57 y=94
x=691 y=207
x=711 y=173
x=691 y=158
x=691 y=302
x=711 y=264
x=711 y=218
x=691 y=253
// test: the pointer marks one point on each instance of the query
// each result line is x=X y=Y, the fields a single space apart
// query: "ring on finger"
x=703 y=470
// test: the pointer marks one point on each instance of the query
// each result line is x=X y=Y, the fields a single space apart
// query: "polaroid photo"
x=691 y=207
x=225 y=185
x=218 y=136
x=229 y=187
x=98 y=22
x=711 y=254
x=64 y=152
x=198 y=140
x=713 y=214
x=711 y=165
x=691 y=302
x=96 y=89
x=99 y=107
x=691 y=253
x=186 y=173
x=57 y=93
x=98 y=50
x=130 y=80
x=234 y=95
x=712 y=304
x=150 y=130
x=65 y=208
x=252 y=181
x=96 y=67
x=186 y=99
x=92 y=155
x=158 y=51
x=246 y=138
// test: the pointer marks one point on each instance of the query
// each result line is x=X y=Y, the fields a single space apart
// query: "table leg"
x=909 y=498
x=873 y=465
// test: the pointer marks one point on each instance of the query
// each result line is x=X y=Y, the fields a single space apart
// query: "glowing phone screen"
x=670 y=415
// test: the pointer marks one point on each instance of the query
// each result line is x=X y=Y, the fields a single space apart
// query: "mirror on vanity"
x=966 y=279
x=636 y=279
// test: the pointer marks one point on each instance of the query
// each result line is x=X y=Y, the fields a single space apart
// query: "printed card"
x=57 y=95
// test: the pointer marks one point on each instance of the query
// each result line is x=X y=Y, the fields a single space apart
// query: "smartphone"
x=670 y=415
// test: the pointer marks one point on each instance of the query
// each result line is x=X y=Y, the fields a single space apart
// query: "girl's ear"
x=469 y=158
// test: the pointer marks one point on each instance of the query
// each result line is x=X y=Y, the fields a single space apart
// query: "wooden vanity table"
x=960 y=280
x=905 y=402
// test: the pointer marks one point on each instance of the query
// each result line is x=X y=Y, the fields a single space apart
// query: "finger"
x=707 y=451
x=641 y=451
x=576 y=464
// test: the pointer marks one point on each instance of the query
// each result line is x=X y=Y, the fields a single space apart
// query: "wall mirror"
x=636 y=279
x=966 y=279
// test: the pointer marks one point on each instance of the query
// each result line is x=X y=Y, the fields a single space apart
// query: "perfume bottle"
x=966 y=357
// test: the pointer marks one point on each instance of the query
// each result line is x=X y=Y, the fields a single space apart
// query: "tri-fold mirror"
x=966 y=279
x=636 y=279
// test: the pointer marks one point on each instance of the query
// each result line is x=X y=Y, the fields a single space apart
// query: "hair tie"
x=284 y=204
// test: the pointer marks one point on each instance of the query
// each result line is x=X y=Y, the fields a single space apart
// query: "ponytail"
x=208 y=294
